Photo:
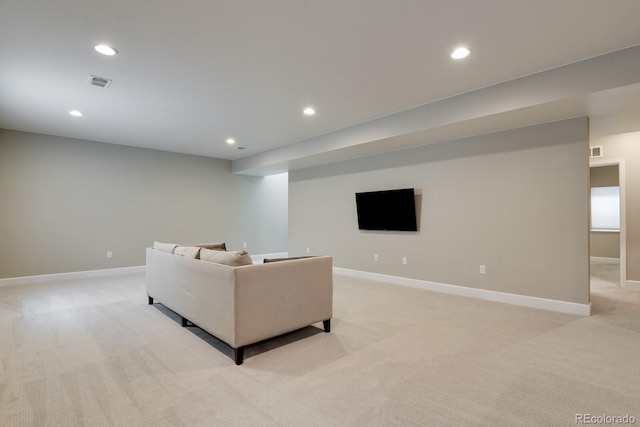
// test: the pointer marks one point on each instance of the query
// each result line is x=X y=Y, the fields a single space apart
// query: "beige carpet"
x=92 y=352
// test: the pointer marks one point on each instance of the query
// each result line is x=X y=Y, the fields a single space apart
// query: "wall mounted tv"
x=387 y=210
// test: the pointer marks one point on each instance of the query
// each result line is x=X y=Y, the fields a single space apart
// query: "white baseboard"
x=257 y=259
x=633 y=285
x=59 y=277
x=45 y=278
x=483 y=294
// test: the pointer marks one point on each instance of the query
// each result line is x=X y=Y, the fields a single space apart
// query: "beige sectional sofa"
x=242 y=305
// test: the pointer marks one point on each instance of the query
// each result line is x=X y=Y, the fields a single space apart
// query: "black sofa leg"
x=185 y=322
x=238 y=355
x=327 y=325
x=150 y=300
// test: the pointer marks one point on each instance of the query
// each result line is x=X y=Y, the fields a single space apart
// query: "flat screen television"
x=387 y=210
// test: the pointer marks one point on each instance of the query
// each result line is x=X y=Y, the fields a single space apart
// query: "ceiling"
x=191 y=74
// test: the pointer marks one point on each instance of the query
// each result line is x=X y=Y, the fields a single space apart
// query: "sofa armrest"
x=275 y=298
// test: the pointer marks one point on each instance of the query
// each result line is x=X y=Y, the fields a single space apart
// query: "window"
x=605 y=208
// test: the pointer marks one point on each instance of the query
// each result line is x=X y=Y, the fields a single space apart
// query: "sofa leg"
x=150 y=300
x=184 y=322
x=238 y=355
x=327 y=325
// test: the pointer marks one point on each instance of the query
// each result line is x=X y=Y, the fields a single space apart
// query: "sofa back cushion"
x=187 y=251
x=266 y=260
x=215 y=246
x=231 y=258
x=165 y=247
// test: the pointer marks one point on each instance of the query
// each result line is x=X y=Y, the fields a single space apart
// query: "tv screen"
x=387 y=210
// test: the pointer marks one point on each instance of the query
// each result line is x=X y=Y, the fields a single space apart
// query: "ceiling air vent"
x=99 y=81
x=595 y=151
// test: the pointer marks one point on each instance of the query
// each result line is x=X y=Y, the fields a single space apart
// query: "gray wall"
x=604 y=176
x=515 y=201
x=626 y=147
x=64 y=203
x=605 y=244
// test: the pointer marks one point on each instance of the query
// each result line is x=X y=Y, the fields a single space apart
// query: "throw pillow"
x=216 y=246
x=187 y=251
x=165 y=247
x=232 y=258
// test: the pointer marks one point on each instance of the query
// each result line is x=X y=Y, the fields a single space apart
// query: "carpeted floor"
x=92 y=352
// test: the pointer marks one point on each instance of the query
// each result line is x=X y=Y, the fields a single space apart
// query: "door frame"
x=623 y=212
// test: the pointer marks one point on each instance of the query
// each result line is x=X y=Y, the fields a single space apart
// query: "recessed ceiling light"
x=106 y=50
x=76 y=113
x=231 y=141
x=309 y=111
x=459 y=53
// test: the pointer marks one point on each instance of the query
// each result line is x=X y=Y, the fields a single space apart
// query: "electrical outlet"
x=483 y=269
x=109 y=254
x=375 y=257
x=404 y=260
x=308 y=250
x=244 y=245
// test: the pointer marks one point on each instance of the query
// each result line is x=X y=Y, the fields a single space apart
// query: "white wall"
x=64 y=203
x=515 y=201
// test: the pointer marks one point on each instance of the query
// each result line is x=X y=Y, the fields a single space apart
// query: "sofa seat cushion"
x=187 y=251
x=165 y=247
x=231 y=258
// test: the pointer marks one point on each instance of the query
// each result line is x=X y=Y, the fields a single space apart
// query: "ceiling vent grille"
x=595 y=152
x=100 y=81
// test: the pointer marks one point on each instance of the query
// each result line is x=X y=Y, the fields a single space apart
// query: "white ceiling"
x=191 y=74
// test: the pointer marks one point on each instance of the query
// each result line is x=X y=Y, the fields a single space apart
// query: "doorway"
x=607 y=248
